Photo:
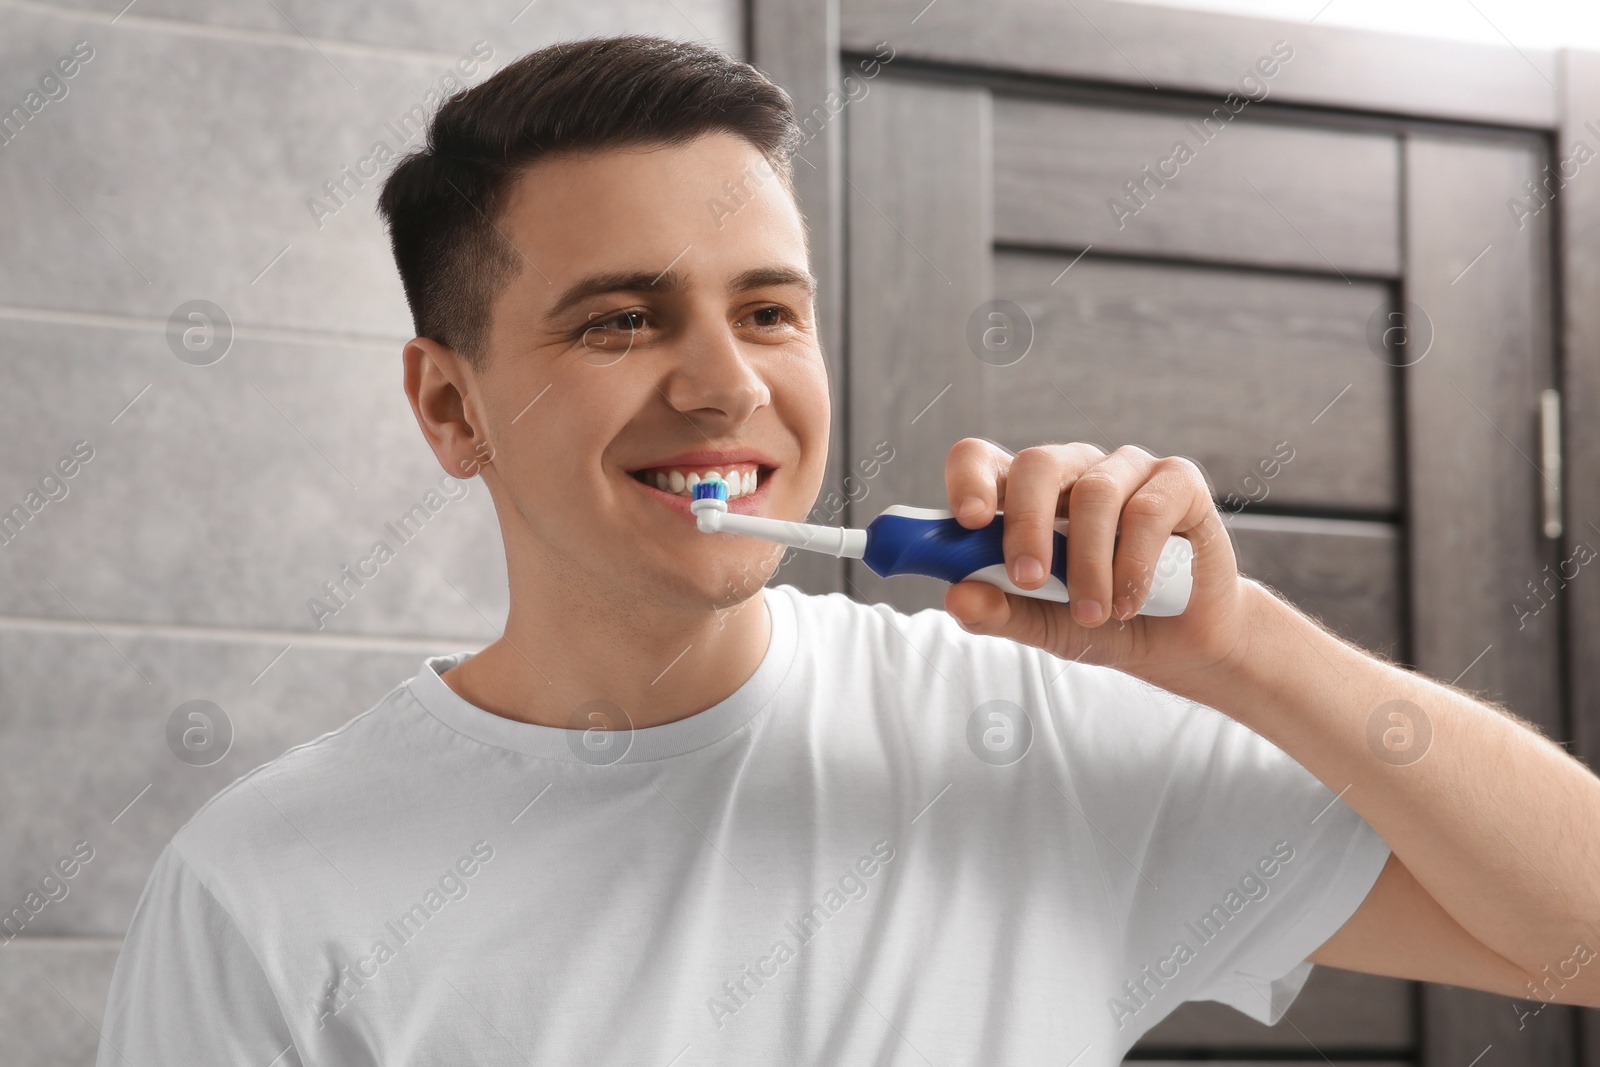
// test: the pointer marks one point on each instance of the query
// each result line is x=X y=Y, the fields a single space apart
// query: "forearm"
x=1499 y=824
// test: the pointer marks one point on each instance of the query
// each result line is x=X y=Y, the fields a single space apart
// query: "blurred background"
x=1361 y=296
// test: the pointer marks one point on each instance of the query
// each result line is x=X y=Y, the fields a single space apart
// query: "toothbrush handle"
x=906 y=540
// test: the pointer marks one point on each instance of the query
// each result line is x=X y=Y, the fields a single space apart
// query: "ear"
x=440 y=385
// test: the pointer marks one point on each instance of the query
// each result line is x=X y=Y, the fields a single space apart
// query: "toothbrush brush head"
x=710 y=498
x=711 y=488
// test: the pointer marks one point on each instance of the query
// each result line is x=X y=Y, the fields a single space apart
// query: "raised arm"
x=1495 y=879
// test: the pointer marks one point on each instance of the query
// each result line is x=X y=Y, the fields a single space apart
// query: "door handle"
x=1550 y=466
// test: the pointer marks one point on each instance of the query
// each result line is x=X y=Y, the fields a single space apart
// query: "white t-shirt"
x=896 y=843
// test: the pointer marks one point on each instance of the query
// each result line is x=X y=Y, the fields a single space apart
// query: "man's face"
x=656 y=319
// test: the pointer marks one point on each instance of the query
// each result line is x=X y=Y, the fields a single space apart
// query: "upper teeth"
x=682 y=482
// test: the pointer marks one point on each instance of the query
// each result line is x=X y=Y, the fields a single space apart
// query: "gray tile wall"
x=176 y=561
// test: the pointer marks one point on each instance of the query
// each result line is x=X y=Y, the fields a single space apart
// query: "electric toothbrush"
x=910 y=540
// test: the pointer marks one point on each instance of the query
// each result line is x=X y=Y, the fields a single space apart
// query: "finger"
x=1148 y=520
x=1216 y=566
x=982 y=608
x=1032 y=504
x=1094 y=511
x=975 y=470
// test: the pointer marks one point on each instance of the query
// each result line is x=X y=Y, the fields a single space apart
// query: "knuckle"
x=1145 y=505
x=1032 y=456
x=1185 y=468
x=967 y=448
x=1134 y=453
x=975 y=451
x=1095 y=484
x=1028 y=526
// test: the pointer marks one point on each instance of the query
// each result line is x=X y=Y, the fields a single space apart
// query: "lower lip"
x=748 y=504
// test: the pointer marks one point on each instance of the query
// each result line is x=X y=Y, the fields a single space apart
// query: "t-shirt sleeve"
x=187 y=988
x=1230 y=862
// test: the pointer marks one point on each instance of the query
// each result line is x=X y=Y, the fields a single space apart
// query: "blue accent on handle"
x=943 y=548
x=714 y=487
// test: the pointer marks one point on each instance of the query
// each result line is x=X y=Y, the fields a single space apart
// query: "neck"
x=566 y=645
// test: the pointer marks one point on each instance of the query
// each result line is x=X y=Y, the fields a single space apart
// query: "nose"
x=715 y=378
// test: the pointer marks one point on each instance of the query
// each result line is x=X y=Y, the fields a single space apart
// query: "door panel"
x=1472 y=416
x=1346 y=573
x=1475 y=538
x=1115 y=178
x=1216 y=365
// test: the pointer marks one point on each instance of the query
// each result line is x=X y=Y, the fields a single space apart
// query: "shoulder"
x=267 y=808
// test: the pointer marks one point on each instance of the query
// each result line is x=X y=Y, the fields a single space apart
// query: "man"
x=678 y=815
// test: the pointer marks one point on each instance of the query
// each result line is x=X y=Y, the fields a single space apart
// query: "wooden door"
x=1332 y=312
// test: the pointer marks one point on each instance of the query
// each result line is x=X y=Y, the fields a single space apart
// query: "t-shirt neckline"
x=642 y=745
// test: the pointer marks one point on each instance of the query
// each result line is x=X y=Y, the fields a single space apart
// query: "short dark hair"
x=443 y=199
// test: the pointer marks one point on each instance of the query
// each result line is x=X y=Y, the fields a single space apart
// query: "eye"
x=616 y=332
x=768 y=317
x=631 y=320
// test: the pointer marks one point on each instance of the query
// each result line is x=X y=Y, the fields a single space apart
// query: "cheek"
x=540 y=462
x=820 y=416
x=800 y=397
x=805 y=400
x=559 y=423
x=600 y=409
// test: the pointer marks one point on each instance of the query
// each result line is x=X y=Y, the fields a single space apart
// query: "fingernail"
x=970 y=507
x=1088 y=611
x=1028 y=569
x=1124 y=608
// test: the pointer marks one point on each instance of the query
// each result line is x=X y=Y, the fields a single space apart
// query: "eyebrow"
x=671 y=281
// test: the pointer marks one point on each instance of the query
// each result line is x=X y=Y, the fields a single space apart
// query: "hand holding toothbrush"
x=1146 y=538
x=1121 y=508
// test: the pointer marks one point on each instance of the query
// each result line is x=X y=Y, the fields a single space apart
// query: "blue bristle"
x=712 y=488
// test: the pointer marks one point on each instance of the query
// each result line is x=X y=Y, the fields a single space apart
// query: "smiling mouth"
x=743 y=479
